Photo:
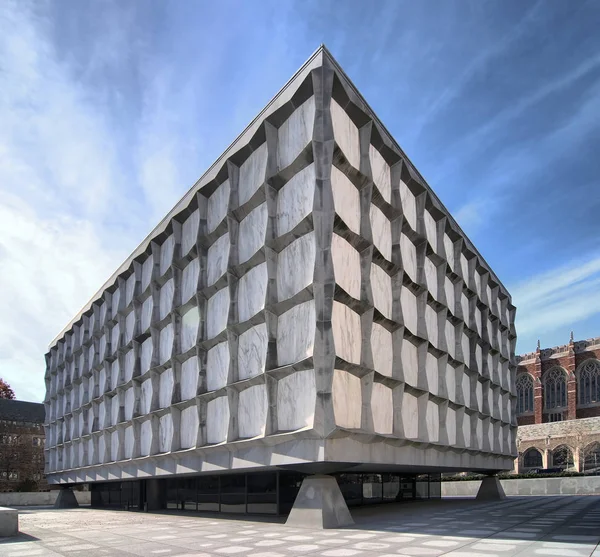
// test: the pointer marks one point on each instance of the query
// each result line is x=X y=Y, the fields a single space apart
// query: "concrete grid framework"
x=310 y=302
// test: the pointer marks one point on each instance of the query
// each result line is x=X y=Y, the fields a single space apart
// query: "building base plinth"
x=491 y=489
x=66 y=499
x=319 y=504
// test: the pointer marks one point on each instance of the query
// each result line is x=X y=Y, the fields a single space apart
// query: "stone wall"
x=39 y=498
x=580 y=485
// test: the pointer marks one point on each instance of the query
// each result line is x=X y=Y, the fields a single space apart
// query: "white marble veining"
x=129 y=442
x=408 y=303
x=346 y=199
x=410 y=415
x=252 y=351
x=346 y=391
x=432 y=324
x=114 y=374
x=129 y=290
x=346 y=266
x=252 y=292
x=449 y=249
x=130 y=400
x=432 y=373
x=189 y=280
x=146 y=393
x=381 y=346
x=252 y=233
x=114 y=338
x=381 y=173
x=217 y=259
x=190 y=321
x=295 y=200
x=146 y=435
x=252 y=173
x=189 y=425
x=252 y=411
x=409 y=205
x=129 y=327
x=382 y=232
x=431 y=278
x=189 y=232
x=166 y=254
x=296 y=333
x=115 y=446
x=410 y=362
x=450 y=332
x=295 y=266
x=430 y=230
x=217 y=206
x=296 y=396
x=165 y=388
x=217 y=313
x=166 y=344
x=189 y=378
x=167 y=292
x=382 y=408
x=114 y=303
x=146 y=355
x=381 y=286
x=146 y=314
x=217 y=366
x=295 y=133
x=217 y=420
x=345 y=134
x=165 y=433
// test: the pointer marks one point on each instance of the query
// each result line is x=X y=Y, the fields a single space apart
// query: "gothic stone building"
x=21 y=445
x=558 y=407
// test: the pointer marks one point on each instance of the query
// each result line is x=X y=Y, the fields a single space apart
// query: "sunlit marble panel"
x=217 y=259
x=430 y=230
x=217 y=366
x=189 y=378
x=218 y=203
x=381 y=286
x=409 y=205
x=129 y=327
x=166 y=298
x=190 y=321
x=382 y=232
x=345 y=133
x=252 y=411
x=146 y=437
x=166 y=344
x=189 y=427
x=432 y=324
x=432 y=372
x=189 y=232
x=346 y=199
x=252 y=351
x=217 y=313
x=189 y=280
x=408 y=302
x=146 y=314
x=346 y=266
x=165 y=389
x=382 y=409
x=295 y=266
x=410 y=415
x=252 y=233
x=410 y=362
x=382 y=349
x=296 y=399
x=252 y=292
x=296 y=333
x=166 y=254
x=146 y=393
x=217 y=420
x=295 y=200
x=129 y=442
x=295 y=133
x=346 y=391
x=252 y=173
x=346 y=333
x=165 y=433
x=381 y=173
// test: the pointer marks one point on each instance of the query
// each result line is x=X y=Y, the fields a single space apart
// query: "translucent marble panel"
x=102 y=347
x=449 y=291
x=408 y=302
x=102 y=381
x=346 y=199
x=146 y=393
x=218 y=203
x=252 y=233
x=450 y=332
x=479 y=395
x=165 y=433
x=451 y=383
x=478 y=321
x=91 y=451
x=449 y=426
x=410 y=415
x=115 y=302
x=252 y=411
x=189 y=232
x=464 y=304
x=114 y=374
x=346 y=332
x=464 y=267
x=409 y=205
x=146 y=355
x=296 y=398
x=189 y=378
x=217 y=259
x=189 y=329
x=478 y=359
x=166 y=344
x=146 y=314
x=410 y=362
x=296 y=333
x=431 y=322
x=345 y=134
x=189 y=427
x=129 y=442
x=477 y=281
x=129 y=327
x=146 y=436
x=346 y=266
x=432 y=422
x=189 y=280
x=381 y=173
x=346 y=393
x=166 y=299
x=217 y=313
x=295 y=200
x=408 y=252
x=431 y=278
x=465 y=344
x=430 y=230
x=252 y=292
x=115 y=446
x=252 y=173
x=431 y=369
x=129 y=403
x=381 y=346
x=165 y=389
x=382 y=409
x=295 y=266
x=381 y=286
x=166 y=254
x=449 y=249
x=217 y=420
x=217 y=366
x=295 y=133
x=382 y=232
x=252 y=351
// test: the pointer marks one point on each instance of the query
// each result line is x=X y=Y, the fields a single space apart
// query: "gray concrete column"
x=491 y=489
x=66 y=499
x=319 y=504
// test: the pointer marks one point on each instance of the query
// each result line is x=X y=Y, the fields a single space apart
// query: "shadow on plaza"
x=20 y=537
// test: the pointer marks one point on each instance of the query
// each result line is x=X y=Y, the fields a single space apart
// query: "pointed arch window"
x=555 y=388
x=524 y=393
x=532 y=458
x=562 y=457
x=591 y=458
x=588 y=382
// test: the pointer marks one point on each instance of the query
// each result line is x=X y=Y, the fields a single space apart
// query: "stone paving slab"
x=567 y=526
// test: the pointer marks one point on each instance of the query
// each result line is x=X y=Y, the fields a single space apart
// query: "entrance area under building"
x=266 y=493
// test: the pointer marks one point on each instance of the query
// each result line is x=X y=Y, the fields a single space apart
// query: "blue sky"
x=110 y=110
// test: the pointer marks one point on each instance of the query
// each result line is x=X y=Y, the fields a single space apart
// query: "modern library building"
x=308 y=318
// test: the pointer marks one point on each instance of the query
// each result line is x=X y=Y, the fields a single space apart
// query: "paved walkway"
x=544 y=526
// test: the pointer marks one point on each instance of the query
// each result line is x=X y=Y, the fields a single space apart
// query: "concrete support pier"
x=491 y=489
x=9 y=522
x=66 y=499
x=319 y=504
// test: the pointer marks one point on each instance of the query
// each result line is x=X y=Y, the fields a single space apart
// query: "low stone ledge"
x=9 y=522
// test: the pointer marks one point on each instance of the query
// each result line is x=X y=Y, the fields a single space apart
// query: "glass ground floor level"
x=270 y=492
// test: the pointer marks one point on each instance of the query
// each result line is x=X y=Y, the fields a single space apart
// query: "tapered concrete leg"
x=319 y=504
x=66 y=499
x=491 y=489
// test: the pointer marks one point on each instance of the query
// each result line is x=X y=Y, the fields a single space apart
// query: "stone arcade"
x=308 y=307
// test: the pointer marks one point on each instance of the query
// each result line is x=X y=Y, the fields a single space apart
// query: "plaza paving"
x=546 y=526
